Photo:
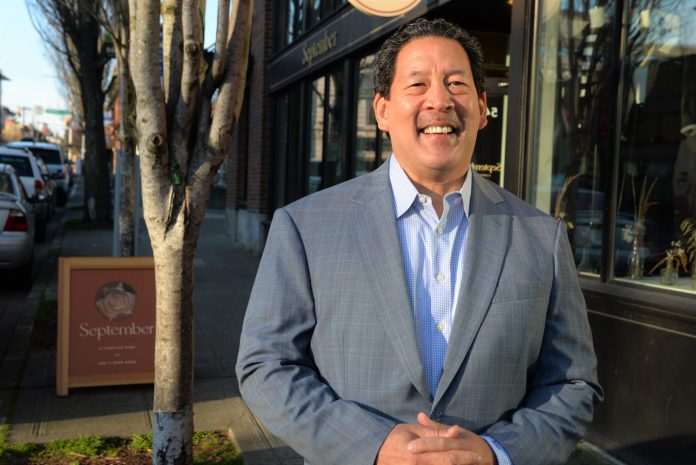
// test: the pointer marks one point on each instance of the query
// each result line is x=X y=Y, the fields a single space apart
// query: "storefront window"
x=316 y=135
x=571 y=147
x=371 y=147
x=656 y=220
x=294 y=20
x=295 y=17
x=286 y=152
x=333 y=160
x=366 y=125
x=648 y=164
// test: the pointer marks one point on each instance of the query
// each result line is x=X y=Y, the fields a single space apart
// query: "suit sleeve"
x=562 y=389
x=277 y=375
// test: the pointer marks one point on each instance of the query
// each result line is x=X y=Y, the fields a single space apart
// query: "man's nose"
x=439 y=97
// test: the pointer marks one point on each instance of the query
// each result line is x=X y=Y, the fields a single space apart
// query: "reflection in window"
x=657 y=159
x=316 y=136
x=333 y=168
x=294 y=20
x=366 y=141
x=571 y=122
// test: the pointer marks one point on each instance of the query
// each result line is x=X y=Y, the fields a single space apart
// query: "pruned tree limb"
x=151 y=119
x=221 y=38
x=172 y=53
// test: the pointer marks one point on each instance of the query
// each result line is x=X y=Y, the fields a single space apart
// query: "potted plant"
x=675 y=257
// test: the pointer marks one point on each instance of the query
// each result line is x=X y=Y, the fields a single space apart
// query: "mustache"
x=440 y=120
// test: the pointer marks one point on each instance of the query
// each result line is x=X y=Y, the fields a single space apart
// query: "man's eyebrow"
x=418 y=72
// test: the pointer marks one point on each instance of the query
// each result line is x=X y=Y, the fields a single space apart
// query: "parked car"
x=17 y=227
x=50 y=190
x=27 y=168
x=52 y=155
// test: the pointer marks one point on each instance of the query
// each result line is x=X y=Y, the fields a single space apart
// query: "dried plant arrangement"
x=641 y=205
x=675 y=257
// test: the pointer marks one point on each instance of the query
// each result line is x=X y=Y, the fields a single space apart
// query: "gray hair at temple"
x=418 y=29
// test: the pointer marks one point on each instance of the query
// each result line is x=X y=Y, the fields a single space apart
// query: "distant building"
x=2 y=109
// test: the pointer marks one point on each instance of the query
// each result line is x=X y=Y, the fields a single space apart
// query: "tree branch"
x=223 y=24
x=172 y=54
x=150 y=108
x=190 y=86
x=229 y=102
x=211 y=151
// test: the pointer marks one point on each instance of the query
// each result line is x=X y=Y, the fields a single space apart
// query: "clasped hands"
x=431 y=443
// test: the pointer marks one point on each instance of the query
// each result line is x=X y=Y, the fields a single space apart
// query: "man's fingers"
x=460 y=457
x=435 y=444
x=441 y=428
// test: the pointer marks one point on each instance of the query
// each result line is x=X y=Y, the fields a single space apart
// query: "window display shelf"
x=682 y=286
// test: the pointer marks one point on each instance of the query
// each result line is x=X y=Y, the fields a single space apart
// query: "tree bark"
x=97 y=177
x=173 y=419
x=127 y=220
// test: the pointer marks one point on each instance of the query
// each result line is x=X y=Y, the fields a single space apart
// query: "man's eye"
x=456 y=83
x=417 y=84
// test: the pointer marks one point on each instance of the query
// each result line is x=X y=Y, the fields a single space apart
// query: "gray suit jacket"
x=328 y=359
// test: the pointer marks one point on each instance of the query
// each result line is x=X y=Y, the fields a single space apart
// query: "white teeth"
x=438 y=130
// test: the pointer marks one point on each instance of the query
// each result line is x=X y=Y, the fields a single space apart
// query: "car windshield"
x=22 y=165
x=49 y=156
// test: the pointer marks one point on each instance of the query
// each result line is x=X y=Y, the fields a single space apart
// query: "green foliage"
x=141 y=442
x=86 y=445
x=209 y=448
x=214 y=448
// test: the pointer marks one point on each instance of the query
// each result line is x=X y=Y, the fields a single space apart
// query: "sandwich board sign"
x=106 y=322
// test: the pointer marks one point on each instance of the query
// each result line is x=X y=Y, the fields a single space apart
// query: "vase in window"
x=635 y=262
x=669 y=275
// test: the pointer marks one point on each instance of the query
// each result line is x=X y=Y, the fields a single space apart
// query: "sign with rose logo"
x=106 y=322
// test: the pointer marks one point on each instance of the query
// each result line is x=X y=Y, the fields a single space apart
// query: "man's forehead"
x=410 y=65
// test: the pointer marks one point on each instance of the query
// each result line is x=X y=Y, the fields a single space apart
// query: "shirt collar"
x=405 y=193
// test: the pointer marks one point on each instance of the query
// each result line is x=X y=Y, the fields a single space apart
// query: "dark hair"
x=420 y=28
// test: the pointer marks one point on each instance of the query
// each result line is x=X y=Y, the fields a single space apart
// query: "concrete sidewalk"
x=224 y=276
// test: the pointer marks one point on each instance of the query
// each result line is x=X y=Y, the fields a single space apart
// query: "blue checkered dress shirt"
x=433 y=252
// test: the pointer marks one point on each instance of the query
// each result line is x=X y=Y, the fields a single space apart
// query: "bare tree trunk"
x=97 y=178
x=182 y=142
x=173 y=419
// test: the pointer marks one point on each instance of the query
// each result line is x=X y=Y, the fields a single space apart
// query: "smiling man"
x=420 y=314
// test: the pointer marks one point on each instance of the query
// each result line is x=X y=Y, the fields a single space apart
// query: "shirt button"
x=441 y=327
x=421 y=198
x=440 y=277
x=440 y=230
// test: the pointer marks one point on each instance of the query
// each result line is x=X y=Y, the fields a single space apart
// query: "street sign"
x=55 y=111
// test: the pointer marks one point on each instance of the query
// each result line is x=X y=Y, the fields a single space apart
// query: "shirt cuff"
x=500 y=453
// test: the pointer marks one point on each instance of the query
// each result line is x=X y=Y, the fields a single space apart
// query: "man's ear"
x=483 y=108
x=379 y=105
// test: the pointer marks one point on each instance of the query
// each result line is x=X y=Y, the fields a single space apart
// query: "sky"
x=32 y=77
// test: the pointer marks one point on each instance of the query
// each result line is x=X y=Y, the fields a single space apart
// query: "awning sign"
x=384 y=7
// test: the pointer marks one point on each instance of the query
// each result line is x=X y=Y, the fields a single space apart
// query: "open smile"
x=440 y=129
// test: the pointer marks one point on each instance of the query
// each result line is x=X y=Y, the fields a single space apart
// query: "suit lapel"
x=378 y=239
x=486 y=244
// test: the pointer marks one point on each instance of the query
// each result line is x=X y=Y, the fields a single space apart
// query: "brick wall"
x=247 y=163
